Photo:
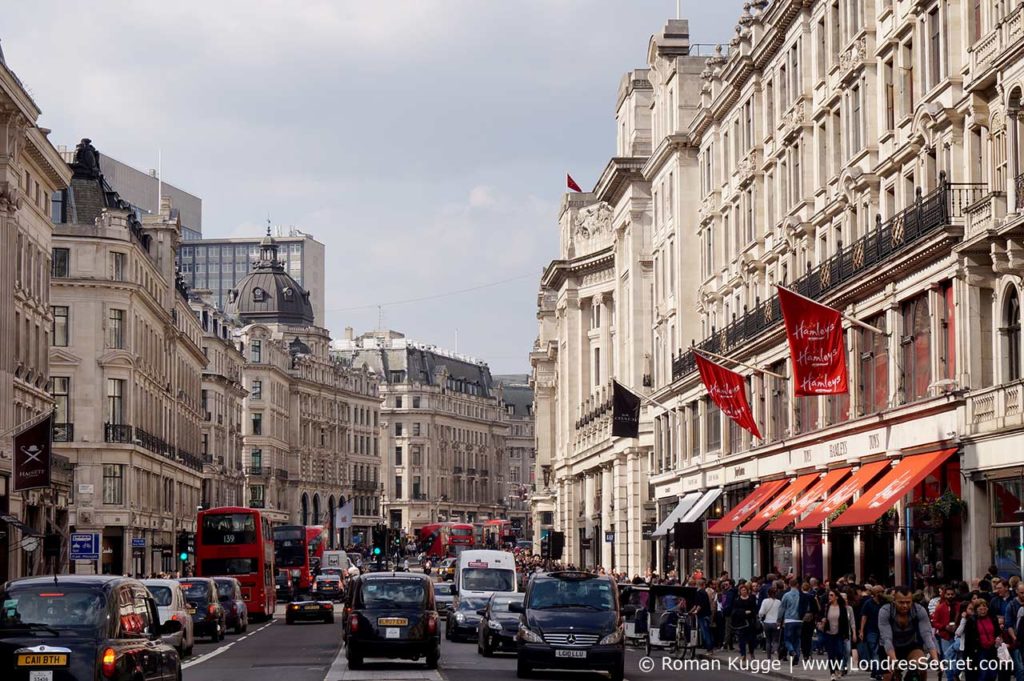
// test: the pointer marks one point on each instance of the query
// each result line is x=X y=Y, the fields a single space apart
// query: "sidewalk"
x=814 y=669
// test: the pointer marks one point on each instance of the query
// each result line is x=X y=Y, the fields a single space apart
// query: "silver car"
x=170 y=601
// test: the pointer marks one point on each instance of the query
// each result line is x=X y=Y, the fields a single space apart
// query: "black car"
x=463 y=619
x=443 y=598
x=208 y=618
x=283 y=586
x=307 y=608
x=570 y=620
x=328 y=588
x=84 y=628
x=499 y=624
x=392 y=615
x=236 y=614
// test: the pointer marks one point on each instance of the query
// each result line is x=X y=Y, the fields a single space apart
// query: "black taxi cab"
x=84 y=628
x=391 y=615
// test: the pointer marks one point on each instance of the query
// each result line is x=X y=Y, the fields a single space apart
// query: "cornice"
x=668 y=146
x=617 y=175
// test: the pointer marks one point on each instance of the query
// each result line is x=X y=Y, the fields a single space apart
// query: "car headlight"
x=525 y=634
x=614 y=637
x=459 y=617
x=494 y=625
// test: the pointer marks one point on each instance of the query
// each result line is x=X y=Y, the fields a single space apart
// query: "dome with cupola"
x=268 y=294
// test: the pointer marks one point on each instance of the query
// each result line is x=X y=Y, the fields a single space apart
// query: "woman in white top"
x=769 y=616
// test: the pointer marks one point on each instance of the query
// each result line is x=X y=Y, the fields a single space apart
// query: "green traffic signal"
x=376 y=550
x=183 y=556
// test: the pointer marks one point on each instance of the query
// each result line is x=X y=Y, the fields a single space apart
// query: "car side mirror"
x=170 y=627
x=481 y=612
x=453 y=590
x=516 y=607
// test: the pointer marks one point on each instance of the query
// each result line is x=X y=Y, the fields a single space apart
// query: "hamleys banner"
x=728 y=390
x=815 y=334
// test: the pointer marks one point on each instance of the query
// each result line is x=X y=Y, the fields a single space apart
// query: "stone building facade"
x=444 y=454
x=126 y=364
x=521 y=444
x=30 y=172
x=310 y=422
x=221 y=406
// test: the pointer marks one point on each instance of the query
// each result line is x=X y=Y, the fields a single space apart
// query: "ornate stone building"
x=521 y=444
x=221 y=406
x=126 y=365
x=30 y=172
x=310 y=422
x=445 y=431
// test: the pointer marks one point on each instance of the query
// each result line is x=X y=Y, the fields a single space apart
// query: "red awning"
x=890 y=489
x=743 y=509
x=779 y=502
x=801 y=505
x=851 y=486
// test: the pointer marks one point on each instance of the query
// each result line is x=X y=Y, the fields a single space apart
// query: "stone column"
x=605 y=301
x=1013 y=158
x=607 y=517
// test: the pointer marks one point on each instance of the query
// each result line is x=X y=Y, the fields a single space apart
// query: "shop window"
x=873 y=391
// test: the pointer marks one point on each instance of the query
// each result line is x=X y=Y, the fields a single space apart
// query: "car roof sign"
x=477 y=564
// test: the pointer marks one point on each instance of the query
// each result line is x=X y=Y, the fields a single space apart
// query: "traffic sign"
x=85 y=546
x=609 y=537
x=138 y=542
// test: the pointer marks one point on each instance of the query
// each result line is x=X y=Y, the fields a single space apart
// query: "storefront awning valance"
x=778 y=502
x=804 y=503
x=13 y=521
x=703 y=504
x=750 y=504
x=684 y=505
x=853 y=484
x=891 y=488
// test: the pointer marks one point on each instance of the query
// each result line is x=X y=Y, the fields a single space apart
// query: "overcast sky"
x=425 y=142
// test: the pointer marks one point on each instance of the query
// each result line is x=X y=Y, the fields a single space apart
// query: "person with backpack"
x=809 y=615
x=905 y=632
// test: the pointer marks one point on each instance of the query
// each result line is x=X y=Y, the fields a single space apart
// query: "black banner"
x=625 y=412
x=32 y=456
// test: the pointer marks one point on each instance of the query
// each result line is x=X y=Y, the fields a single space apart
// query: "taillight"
x=328 y=606
x=174 y=617
x=212 y=610
x=353 y=623
x=431 y=625
x=109 y=659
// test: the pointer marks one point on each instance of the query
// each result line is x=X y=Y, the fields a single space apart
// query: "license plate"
x=581 y=654
x=191 y=611
x=39 y=675
x=392 y=633
x=311 y=607
x=392 y=621
x=42 y=660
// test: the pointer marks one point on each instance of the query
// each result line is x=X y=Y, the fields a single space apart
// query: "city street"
x=313 y=652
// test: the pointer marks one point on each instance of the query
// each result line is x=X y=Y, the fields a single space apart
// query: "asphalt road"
x=313 y=652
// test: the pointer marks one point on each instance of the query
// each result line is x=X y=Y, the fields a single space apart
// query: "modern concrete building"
x=521 y=444
x=220 y=264
x=310 y=421
x=31 y=171
x=445 y=431
x=144 y=190
x=126 y=363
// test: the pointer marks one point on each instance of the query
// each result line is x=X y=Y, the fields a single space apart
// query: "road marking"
x=339 y=671
x=218 y=651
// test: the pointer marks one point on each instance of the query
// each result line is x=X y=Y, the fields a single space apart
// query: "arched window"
x=916 y=342
x=330 y=519
x=1011 y=334
x=316 y=509
x=305 y=509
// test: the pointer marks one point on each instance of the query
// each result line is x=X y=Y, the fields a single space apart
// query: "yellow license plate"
x=392 y=621
x=50 y=660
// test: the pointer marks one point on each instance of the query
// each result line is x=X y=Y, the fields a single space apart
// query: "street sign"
x=85 y=546
x=609 y=537
x=138 y=542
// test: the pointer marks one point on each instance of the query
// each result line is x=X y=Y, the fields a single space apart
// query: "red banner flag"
x=729 y=391
x=571 y=183
x=815 y=334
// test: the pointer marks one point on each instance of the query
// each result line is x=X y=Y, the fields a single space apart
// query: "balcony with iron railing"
x=281 y=473
x=457 y=470
x=119 y=433
x=925 y=217
x=257 y=503
x=262 y=471
x=470 y=471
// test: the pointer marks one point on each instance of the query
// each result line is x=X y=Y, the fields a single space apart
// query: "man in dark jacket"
x=809 y=612
x=725 y=600
x=702 y=609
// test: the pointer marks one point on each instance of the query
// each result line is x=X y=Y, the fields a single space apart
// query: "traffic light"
x=557 y=540
x=183 y=546
x=376 y=550
x=545 y=547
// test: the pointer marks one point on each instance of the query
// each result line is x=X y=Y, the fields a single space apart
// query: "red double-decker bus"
x=298 y=551
x=234 y=541
x=440 y=540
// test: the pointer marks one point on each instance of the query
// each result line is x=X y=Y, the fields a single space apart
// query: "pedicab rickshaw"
x=671 y=624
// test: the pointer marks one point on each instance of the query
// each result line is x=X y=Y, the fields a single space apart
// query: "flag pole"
x=736 y=361
x=847 y=317
x=643 y=398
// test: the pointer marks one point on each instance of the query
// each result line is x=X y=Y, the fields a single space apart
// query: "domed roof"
x=269 y=294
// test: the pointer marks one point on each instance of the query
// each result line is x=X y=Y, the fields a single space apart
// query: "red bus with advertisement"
x=440 y=540
x=233 y=541
x=298 y=551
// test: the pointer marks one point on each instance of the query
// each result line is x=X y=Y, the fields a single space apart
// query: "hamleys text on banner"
x=728 y=390
x=816 y=345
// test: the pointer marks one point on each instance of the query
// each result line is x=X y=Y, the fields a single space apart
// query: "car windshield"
x=488 y=579
x=196 y=592
x=501 y=605
x=53 y=606
x=442 y=589
x=590 y=594
x=225 y=588
x=328 y=579
x=392 y=593
x=161 y=594
x=473 y=604
x=229 y=528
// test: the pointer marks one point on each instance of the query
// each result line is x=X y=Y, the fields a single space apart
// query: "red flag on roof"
x=816 y=345
x=571 y=183
x=728 y=390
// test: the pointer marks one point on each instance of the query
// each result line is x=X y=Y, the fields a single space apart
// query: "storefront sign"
x=856 y=446
x=712 y=478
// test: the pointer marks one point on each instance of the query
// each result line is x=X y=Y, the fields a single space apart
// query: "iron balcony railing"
x=281 y=473
x=928 y=214
x=257 y=503
x=259 y=470
x=64 y=432
x=457 y=470
x=117 y=432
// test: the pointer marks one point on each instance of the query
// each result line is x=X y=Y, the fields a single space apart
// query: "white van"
x=479 y=572
x=336 y=559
